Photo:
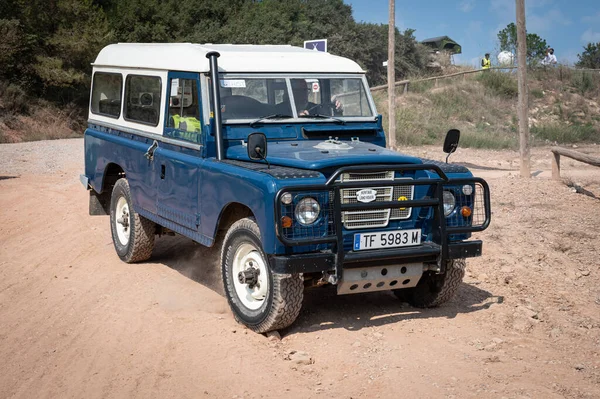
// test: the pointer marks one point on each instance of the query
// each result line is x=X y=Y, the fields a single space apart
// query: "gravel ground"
x=41 y=157
x=77 y=322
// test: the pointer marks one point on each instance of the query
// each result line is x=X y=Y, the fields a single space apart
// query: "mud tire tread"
x=423 y=296
x=287 y=290
x=141 y=240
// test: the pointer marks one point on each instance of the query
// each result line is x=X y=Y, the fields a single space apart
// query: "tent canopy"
x=443 y=43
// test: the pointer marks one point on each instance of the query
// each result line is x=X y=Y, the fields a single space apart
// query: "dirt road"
x=75 y=322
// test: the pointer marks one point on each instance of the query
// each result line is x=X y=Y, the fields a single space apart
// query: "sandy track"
x=77 y=322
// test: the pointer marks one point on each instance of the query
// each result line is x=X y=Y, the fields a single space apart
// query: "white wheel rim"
x=247 y=257
x=122 y=220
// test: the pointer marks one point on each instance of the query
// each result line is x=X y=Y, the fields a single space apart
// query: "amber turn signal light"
x=465 y=211
x=286 y=222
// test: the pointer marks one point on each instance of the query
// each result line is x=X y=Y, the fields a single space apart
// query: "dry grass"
x=483 y=108
x=45 y=122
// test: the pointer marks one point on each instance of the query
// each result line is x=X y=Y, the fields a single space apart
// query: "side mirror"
x=451 y=142
x=257 y=146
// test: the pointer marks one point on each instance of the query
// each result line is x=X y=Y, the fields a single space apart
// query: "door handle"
x=150 y=153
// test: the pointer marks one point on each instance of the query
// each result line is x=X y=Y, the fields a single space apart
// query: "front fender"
x=223 y=184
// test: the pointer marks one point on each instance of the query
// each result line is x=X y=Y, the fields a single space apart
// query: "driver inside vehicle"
x=304 y=107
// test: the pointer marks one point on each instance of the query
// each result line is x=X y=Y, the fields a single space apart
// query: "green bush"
x=14 y=99
x=499 y=83
x=537 y=93
x=584 y=82
x=565 y=134
x=420 y=87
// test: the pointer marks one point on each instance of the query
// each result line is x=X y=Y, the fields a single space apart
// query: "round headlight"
x=449 y=203
x=307 y=211
x=286 y=198
x=467 y=189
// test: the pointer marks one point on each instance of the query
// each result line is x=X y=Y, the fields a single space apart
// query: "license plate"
x=387 y=239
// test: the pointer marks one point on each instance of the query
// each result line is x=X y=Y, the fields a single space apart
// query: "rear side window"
x=106 y=94
x=142 y=94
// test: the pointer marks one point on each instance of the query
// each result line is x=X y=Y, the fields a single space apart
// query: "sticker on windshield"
x=315 y=87
x=233 y=83
x=174 y=86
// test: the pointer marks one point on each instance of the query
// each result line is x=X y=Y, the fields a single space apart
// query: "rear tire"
x=271 y=302
x=132 y=234
x=435 y=289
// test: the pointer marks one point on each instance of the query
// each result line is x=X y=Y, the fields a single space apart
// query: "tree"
x=590 y=58
x=46 y=46
x=536 y=46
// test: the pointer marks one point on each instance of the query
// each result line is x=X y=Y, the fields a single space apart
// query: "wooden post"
x=556 y=166
x=436 y=83
x=405 y=87
x=523 y=107
x=391 y=75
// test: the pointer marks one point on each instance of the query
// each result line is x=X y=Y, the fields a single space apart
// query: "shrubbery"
x=500 y=83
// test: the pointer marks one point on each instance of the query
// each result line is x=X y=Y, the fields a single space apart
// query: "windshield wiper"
x=274 y=116
x=321 y=116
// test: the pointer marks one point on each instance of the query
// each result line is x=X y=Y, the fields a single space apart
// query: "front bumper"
x=438 y=249
x=323 y=262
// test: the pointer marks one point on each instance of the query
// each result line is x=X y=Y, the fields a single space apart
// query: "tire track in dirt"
x=525 y=323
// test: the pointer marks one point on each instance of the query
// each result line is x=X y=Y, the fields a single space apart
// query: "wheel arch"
x=112 y=173
x=231 y=213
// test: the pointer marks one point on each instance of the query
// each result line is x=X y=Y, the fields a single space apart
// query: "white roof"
x=234 y=58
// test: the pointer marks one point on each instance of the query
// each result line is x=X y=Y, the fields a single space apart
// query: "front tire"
x=435 y=289
x=260 y=299
x=132 y=234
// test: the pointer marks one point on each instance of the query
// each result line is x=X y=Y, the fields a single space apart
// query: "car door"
x=178 y=160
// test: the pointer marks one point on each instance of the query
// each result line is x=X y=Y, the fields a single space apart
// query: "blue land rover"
x=276 y=155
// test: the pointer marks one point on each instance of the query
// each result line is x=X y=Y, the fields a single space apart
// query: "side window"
x=142 y=95
x=106 y=94
x=184 y=112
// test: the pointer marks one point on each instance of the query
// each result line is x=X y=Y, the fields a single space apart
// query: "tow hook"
x=249 y=276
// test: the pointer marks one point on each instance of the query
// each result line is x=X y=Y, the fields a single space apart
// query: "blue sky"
x=474 y=24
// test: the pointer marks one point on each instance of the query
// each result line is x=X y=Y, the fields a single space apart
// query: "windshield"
x=246 y=97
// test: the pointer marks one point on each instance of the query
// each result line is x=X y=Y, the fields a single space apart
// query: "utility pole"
x=523 y=105
x=391 y=76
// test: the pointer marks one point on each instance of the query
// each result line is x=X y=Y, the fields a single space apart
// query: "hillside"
x=564 y=108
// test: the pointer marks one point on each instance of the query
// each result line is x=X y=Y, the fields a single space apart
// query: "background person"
x=550 y=58
x=486 y=63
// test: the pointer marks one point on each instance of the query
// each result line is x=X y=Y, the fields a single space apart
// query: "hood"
x=318 y=155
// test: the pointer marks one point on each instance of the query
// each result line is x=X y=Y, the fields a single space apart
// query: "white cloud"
x=506 y=8
x=539 y=23
x=540 y=15
x=591 y=18
x=466 y=5
x=590 y=36
x=568 y=58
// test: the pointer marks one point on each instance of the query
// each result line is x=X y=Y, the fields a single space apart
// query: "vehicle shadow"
x=358 y=311
x=322 y=308
x=480 y=167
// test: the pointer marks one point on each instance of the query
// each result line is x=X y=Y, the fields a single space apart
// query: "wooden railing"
x=406 y=83
x=579 y=156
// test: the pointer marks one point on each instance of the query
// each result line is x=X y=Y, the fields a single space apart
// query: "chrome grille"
x=375 y=217
x=402 y=191
x=389 y=175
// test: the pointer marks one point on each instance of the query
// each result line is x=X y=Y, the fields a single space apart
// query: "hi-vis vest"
x=486 y=63
x=189 y=124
